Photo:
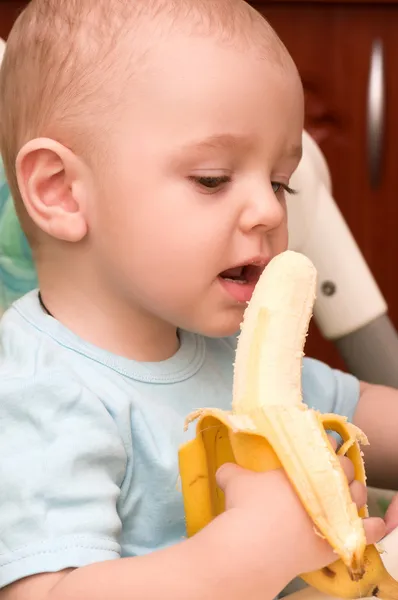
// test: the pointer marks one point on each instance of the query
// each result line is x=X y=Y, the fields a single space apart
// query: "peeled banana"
x=269 y=427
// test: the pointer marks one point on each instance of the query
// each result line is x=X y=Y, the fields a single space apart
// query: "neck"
x=106 y=321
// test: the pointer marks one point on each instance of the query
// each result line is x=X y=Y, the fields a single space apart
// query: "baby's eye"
x=210 y=182
x=277 y=187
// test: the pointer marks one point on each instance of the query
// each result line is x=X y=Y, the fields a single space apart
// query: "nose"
x=262 y=208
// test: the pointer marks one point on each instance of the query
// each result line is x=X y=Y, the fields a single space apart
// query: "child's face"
x=191 y=191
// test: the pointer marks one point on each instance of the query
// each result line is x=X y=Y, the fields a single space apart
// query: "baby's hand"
x=270 y=517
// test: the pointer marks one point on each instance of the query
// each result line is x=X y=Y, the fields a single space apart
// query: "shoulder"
x=35 y=353
x=30 y=360
x=23 y=331
x=40 y=390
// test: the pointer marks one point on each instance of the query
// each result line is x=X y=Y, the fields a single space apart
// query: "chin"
x=222 y=325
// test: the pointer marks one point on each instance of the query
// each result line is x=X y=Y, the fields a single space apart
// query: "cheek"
x=142 y=239
x=158 y=219
x=148 y=225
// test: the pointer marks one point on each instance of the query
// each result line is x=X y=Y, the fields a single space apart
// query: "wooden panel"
x=262 y=3
x=9 y=10
x=332 y=46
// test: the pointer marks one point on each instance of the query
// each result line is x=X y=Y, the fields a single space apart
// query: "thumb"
x=226 y=473
x=375 y=529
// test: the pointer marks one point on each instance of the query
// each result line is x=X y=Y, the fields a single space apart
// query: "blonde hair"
x=62 y=55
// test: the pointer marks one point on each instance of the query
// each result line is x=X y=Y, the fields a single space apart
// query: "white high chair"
x=350 y=309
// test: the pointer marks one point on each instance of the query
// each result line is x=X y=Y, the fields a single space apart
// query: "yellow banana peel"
x=270 y=427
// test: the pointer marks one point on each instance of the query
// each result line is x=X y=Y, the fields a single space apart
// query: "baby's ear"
x=53 y=184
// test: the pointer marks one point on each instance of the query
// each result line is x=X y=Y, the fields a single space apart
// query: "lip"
x=256 y=261
x=242 y=292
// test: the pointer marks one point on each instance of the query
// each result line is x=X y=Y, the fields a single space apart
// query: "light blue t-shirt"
x=89 y=440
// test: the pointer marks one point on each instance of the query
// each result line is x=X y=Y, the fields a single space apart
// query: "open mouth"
x=244 y=274
x=239 y=282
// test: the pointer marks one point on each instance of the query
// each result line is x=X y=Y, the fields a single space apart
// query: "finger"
x=375 y=529
x=348 y=468
x=391 y=517
x=358 y=493
x=226 y=473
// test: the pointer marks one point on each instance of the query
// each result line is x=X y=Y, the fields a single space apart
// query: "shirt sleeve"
x=62 y=463
x=329 y=390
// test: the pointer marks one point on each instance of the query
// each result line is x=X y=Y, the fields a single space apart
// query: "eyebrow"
x=223 y=140
x=228 y=140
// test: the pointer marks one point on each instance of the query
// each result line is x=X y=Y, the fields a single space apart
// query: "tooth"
x=240 y=281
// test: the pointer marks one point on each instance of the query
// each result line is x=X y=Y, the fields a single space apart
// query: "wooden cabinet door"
x=333 y=45
x=9 y=10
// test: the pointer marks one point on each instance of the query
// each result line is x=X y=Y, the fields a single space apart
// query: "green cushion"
x=17 y=272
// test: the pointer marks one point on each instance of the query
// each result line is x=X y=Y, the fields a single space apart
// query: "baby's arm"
x=245 y=553
x=201 y=568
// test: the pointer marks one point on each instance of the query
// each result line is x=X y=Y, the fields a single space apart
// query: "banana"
x=269 y=427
